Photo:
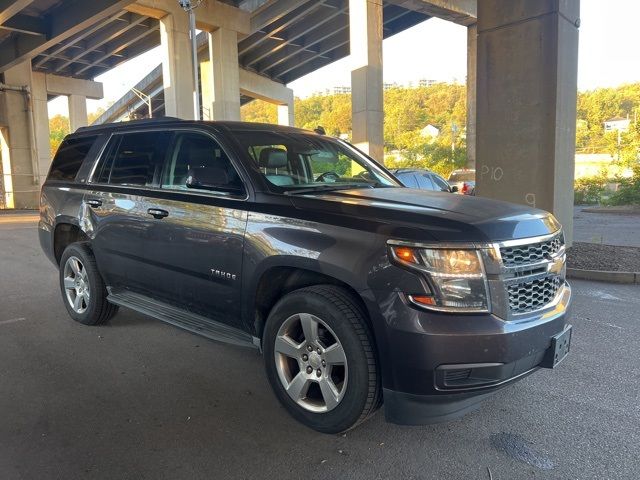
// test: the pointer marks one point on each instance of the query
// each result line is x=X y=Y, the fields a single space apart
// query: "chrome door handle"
x=157 y=213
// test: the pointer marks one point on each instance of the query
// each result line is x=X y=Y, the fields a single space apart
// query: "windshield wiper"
x=329 y=188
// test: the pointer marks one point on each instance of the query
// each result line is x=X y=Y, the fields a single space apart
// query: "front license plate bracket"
x=560 y=346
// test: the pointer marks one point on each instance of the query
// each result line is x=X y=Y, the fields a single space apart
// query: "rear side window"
x=407 y=179
x=440 y=183
x=135 y=159
x=424 y=182
x=69 y=158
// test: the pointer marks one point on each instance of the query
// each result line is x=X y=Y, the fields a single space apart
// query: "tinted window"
x=407 y=179
x=424 y=182
x=440 y=183
x=201 y=157
x=135 y=158
x=69 y=158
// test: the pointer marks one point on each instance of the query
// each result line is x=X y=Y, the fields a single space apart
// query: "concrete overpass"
x=522 y=53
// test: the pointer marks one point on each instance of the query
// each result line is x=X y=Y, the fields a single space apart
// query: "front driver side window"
x=196 y=155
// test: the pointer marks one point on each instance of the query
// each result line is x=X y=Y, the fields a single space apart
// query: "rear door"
x=116 y=206
x=194 y=252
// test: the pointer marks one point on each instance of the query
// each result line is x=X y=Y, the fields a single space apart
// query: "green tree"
x=58 y=129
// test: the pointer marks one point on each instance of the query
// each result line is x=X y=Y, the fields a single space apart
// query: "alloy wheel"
x=76 y=285
x=311 y=363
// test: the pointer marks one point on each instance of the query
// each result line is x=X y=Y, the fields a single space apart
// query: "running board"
x=181 y=318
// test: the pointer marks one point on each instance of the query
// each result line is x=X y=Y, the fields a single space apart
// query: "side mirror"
x=454 y=189
x=211 y=178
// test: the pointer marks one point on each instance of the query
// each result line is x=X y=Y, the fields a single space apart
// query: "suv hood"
x=411 y=213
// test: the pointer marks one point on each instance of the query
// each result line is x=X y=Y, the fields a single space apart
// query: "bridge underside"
x=522 y=68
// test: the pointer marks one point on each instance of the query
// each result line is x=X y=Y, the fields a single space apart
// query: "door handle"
x=157 y=213
x=94 y=202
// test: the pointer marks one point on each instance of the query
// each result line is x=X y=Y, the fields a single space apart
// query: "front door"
x=194 y=248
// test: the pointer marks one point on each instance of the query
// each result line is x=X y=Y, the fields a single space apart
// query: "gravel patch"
x=595 y=256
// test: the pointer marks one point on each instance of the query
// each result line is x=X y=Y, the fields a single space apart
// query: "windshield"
x=300 y=162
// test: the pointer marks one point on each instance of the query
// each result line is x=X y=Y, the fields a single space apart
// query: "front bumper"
x=438 y=366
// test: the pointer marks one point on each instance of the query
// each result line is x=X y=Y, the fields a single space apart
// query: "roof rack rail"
x=130 y=122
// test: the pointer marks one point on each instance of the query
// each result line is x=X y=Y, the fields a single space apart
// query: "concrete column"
x=22 y=162
x=365 y=24
x=286 y=112
x=41 y=123
x=526 y=110
x=5 y=167
x=206 y=89
x=472 y=67
x=77 y=111
x=223 y=55
x=177 y=75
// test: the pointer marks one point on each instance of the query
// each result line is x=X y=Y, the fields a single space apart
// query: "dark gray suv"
x=358 y=291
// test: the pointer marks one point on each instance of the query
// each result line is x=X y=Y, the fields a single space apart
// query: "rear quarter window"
x=69 y=158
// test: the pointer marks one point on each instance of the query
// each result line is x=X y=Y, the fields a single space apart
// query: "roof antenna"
x=320 y=130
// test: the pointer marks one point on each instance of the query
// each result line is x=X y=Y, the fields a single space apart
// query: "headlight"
x=456 y=276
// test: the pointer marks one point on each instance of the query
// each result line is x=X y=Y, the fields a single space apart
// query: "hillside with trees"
x=407 y=112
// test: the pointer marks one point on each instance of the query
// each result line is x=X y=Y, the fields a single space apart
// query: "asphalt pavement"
x=138 y=399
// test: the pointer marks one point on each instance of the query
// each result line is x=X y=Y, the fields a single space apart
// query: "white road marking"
x=11 y=320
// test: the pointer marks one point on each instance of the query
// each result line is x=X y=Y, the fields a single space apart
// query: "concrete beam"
x=527 y=88
x=112 y=32
x=365 y=29
x=76 y=39
x=210 y=15
x=57 y=85
x=25 y=24
x=68 y=19
x=271 y=11
x=10 y=8
x=263 y=88
x=462 y=12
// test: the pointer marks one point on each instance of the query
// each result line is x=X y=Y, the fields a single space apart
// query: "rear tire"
x=320 y=358
x=83 y=291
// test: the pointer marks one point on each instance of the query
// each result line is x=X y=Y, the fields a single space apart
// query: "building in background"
x=618 y=123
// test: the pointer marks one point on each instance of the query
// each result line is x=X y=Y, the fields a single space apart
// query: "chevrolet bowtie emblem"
x=556 y=265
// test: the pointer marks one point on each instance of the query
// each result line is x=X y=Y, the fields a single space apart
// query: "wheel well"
x=64 y=235
x=278 y=281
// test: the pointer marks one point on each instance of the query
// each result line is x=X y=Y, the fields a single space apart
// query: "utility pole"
x=454 y=129
x=189 y=7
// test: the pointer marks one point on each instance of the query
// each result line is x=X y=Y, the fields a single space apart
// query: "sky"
x=608 y=56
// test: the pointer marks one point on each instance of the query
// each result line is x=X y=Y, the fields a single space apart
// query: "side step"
x=182 y=318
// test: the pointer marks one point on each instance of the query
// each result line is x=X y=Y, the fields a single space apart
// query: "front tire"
x=83 y=291
x=320 y=358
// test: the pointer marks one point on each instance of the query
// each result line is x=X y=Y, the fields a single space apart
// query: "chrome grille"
x=533 y=253
x=533 y=295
